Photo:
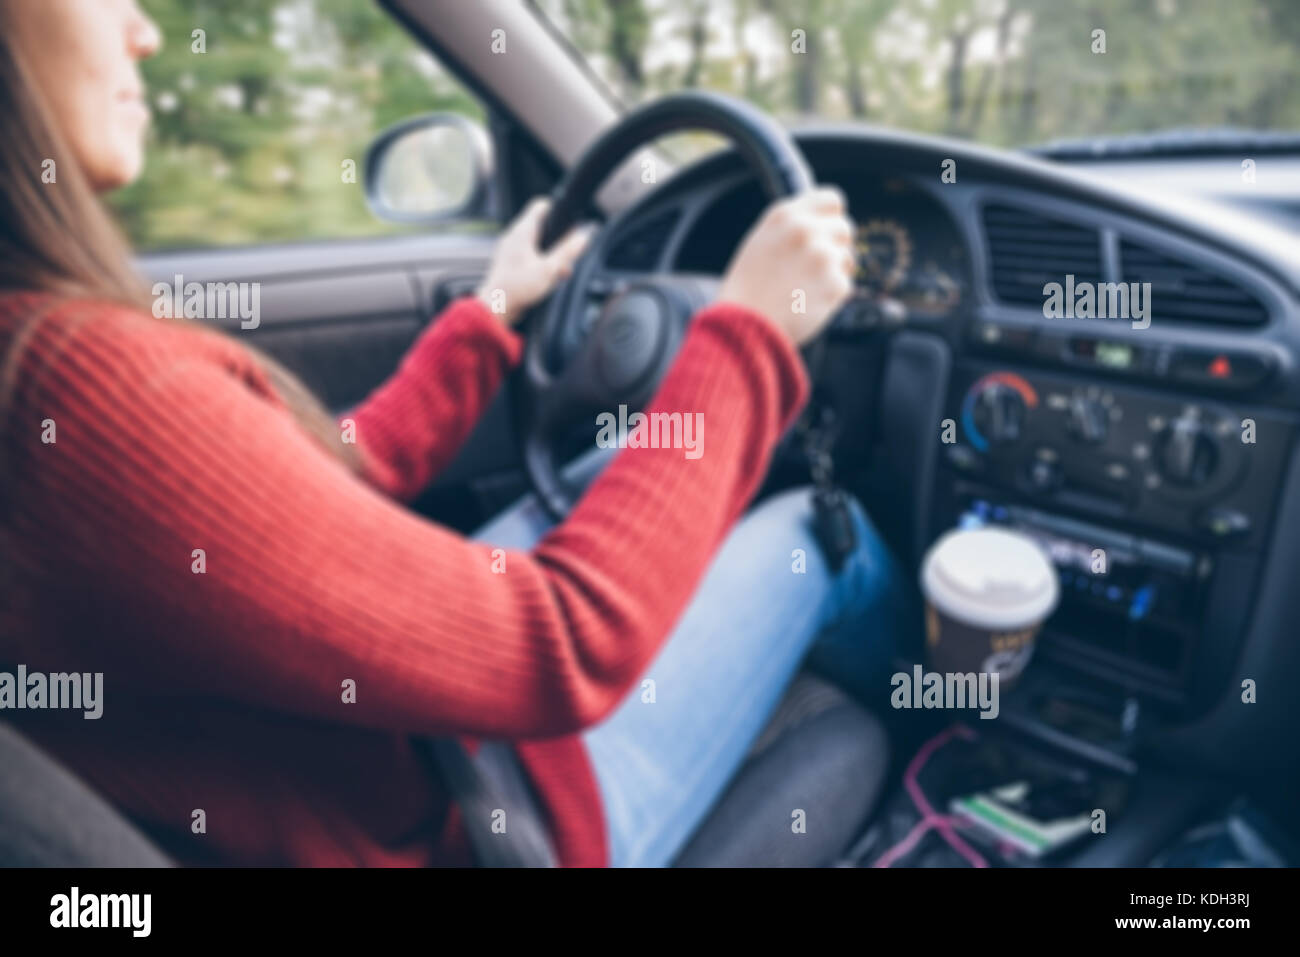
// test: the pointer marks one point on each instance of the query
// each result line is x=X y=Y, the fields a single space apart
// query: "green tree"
x=256 y=116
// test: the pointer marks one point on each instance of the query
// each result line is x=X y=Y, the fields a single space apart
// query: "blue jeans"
x=667 y=753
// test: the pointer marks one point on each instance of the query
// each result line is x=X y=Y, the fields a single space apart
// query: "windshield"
x=1003 y=72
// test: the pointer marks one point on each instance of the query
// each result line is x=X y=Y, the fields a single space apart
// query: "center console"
x=1148 y=469
x=1147 y=476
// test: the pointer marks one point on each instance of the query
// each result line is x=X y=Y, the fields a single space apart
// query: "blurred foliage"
x=1004 y=72
x=250 y=137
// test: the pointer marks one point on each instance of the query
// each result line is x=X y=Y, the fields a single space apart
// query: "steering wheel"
x=630 y=346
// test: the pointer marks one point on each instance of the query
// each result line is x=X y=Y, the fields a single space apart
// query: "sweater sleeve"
x=411 y=426
x=251 y=566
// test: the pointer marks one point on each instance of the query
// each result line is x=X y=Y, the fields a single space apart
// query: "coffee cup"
x=987 y=593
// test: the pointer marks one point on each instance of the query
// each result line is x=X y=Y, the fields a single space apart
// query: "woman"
x=277 y=634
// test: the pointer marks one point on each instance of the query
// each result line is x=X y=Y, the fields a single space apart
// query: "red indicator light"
x=1220 y=368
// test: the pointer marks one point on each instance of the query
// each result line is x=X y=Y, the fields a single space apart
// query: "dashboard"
x=1167 y=443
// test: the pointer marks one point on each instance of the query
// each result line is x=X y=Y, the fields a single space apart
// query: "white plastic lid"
x=990 y=578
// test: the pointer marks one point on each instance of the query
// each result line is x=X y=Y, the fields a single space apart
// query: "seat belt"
x=485 y=788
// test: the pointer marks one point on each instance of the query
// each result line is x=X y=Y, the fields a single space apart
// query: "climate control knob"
x=1186 y=454
x=1088 y=420
x=1000 y=413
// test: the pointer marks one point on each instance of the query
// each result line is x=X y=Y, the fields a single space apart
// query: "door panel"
x=341 y=316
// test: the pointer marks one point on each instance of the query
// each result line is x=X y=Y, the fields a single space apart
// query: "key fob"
x=833 y=526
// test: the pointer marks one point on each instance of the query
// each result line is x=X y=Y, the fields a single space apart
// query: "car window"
x=262 y=114
x=1002 y=72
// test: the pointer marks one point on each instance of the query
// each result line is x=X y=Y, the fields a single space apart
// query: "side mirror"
x=430 y=169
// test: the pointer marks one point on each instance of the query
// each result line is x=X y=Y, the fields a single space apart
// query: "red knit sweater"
x=224 y=690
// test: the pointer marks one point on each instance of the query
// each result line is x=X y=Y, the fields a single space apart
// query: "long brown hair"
x=60 y=238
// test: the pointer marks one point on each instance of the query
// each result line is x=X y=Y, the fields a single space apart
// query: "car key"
x=833 y=525
x=832 y=520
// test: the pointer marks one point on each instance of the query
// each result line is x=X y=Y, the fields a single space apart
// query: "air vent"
x=641 y=247
x=1183 y=292
x=1027 y=251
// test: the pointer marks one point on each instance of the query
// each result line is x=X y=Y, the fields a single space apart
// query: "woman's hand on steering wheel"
x=796 y=265
x=521 y=274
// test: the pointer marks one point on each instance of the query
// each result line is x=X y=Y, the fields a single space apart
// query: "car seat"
x=820 y=754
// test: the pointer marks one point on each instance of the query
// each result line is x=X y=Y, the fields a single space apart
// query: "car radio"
x=1130 y=605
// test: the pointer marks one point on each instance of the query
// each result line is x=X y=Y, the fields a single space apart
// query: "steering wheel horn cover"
x=630 y=339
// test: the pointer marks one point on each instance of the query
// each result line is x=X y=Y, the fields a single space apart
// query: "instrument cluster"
x=911 y=255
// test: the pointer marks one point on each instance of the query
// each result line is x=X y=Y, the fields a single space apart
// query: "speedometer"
x=884 y=252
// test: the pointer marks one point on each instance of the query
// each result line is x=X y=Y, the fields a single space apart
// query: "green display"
x=1116 y=355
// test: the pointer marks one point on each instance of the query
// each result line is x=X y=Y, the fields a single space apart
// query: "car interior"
x=1162 y=689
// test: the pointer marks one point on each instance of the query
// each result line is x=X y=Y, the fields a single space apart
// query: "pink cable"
x=931 y=819
x=906 y=844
